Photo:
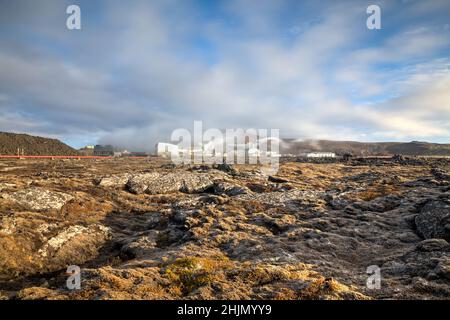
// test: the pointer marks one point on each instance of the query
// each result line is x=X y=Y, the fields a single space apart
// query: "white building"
x=166 y=149
x=214 y=150
x=321 y=155
x=273 y=154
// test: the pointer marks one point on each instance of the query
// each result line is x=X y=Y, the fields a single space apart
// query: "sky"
x=137 y=70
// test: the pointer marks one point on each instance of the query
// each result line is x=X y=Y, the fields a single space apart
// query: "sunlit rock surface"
x=146 y=229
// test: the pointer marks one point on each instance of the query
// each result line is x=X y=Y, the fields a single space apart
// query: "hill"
x=32 y=145
x=414 y=148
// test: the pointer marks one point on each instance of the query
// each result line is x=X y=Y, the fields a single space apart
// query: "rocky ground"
x=145 y=229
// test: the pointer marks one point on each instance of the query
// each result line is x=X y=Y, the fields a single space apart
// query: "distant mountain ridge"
x=414 y=148
x=32 y=145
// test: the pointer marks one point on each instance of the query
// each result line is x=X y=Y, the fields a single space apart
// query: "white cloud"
x=134 y=78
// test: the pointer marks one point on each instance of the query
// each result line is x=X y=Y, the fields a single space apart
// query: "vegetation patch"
x=376 y=192
x=190 y=273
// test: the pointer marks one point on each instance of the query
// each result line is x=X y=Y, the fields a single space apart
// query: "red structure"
x=53 y=157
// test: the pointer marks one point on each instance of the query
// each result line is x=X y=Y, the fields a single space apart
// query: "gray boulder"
x=35 y=198
x=158 y=183
x=114 y=180
x=433 y=219
x=433 y=245
x=139 y=183
x=230 y=189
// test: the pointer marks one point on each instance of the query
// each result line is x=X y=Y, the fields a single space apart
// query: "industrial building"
x=321 y=155
x=166 y=149
x=106 y=151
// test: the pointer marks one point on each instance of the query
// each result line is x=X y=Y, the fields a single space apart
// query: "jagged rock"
x=230 y=189
x=4 y=186
x=364 y=177
x=157 y=183
x=394 y=267
x=180 y=217
x=336 y=203
x=138 y=247
x=73 y=238
x=156 y=219
x=443 y=269
x=225 y=167
x=36 y=198
x=381 y=204
x=398 y=158
x=213 y=199
x=440 y=174
x=8 y=225
x=114 y=180
x=277 y=179
x=169 y=166
x=292 y=198
x=282 y=187
x=228 y=242
x=259 y=187
x=195 y=183
x=352 y=210
x=139 y=183
x=433 y=245
x=432 y=219
x=276 y=225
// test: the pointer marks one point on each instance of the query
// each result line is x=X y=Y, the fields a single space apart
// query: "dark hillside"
x=31 y=145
